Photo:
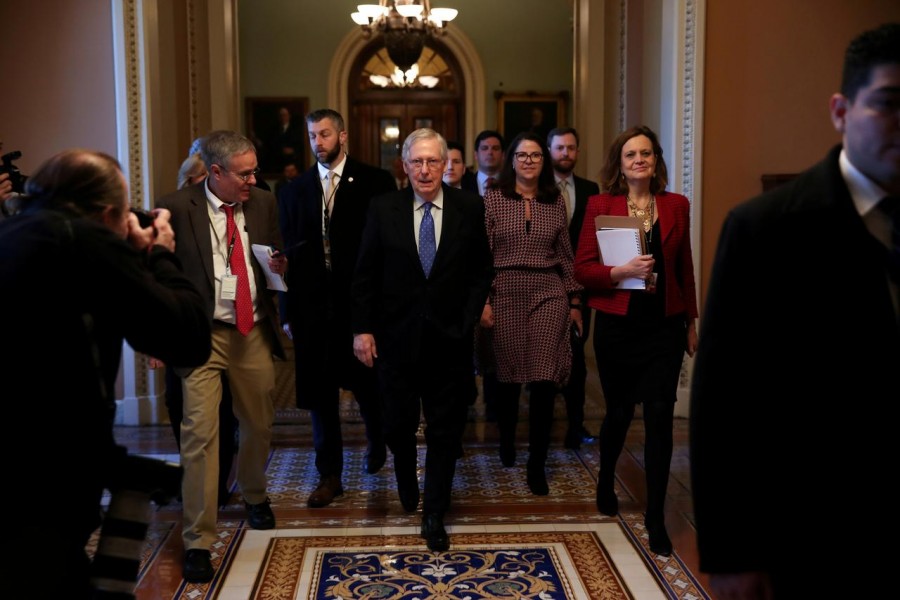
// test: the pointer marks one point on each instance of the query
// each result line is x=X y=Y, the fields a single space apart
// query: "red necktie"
x=243 y=303
x=489 y=183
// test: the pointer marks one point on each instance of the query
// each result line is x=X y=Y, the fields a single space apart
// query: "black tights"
x=658 y=423
x=540 y=417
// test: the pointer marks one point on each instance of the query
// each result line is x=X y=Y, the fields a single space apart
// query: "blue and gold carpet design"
x=505 y=542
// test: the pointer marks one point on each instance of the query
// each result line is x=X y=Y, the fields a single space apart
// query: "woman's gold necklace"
x=645 y=214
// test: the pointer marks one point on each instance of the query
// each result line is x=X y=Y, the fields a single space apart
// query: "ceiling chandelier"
x=404 y=25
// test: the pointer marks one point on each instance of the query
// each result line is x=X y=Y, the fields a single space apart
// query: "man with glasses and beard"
x=322 y=215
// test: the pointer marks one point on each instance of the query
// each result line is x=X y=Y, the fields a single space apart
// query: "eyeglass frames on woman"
x=524 y=156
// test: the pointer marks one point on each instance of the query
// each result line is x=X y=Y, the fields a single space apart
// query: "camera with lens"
x=144 y=218
x=15 y=175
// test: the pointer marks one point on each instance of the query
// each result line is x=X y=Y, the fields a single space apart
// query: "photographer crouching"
x=78 y=275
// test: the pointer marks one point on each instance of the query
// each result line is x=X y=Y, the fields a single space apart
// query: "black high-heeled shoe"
x=607 y=501
x=659 y=537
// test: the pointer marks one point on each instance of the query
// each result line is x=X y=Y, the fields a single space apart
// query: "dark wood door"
x=377 y=129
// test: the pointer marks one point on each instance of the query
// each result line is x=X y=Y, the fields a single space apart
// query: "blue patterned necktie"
x=427 y=244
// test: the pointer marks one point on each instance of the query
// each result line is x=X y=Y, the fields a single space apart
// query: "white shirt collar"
x=482 y=177
x=570 y=180
x=438 y=201
x=214 y=200
x=338 y=168
x=865 y=192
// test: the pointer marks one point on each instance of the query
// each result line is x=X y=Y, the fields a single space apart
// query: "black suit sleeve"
x=482 y=269
x=366 y=285
x=729 y=429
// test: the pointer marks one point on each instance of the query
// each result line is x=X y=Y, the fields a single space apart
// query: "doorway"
x=383 y=114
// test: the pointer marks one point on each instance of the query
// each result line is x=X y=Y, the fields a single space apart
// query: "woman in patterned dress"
x=534 y=305
x=640 y=336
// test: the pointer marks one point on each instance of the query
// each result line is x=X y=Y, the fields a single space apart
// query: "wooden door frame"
x=363 y=143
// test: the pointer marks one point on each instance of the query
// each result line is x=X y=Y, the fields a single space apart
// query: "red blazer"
x=674 y=223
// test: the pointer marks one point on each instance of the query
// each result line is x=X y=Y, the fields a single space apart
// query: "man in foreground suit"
x=563 y=145
x=322 y=216
x=215 y=222
x=798 y=356
x=423 y=274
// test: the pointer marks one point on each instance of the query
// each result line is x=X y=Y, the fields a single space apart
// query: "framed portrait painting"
x=277 y=126
x=530 y=111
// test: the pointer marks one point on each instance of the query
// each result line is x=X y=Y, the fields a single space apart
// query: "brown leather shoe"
x=329 y=488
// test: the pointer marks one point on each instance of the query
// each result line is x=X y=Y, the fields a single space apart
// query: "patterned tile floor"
x=492 y=509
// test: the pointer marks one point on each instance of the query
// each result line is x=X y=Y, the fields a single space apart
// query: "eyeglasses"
x=243 y=176
x=433 y=164
x=524 y=156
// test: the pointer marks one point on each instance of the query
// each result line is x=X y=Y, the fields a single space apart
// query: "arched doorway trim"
x=457 y=43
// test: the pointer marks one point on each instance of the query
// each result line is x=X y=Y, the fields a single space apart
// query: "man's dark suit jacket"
x=469 y=181
x=193 y=246
x=798 y=357
x=393 y=300
x=312 y=290
x=584 y=189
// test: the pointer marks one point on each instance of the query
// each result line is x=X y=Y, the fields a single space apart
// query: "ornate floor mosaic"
x=505 y=542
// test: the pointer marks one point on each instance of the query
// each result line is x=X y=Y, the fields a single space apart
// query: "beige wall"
x=771 y=67
x=58 y=83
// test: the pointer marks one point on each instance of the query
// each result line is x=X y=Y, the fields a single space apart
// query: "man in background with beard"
x=563 y=145
x=322 y=214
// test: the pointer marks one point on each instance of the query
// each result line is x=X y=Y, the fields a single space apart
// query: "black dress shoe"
x=375 y=458
x=433 y=531
x=572 y=441
x=197 y=566
x=607 y=501
x=508 y=455
x=587 y=437
x=537 y=479
x=409 y=495
x=260 y=516
x=659 y=537
x=329 y=488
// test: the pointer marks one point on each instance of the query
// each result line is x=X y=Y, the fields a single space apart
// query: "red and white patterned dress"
x=530 y=295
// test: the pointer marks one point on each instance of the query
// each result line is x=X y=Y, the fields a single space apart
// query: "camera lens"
x=145 y=219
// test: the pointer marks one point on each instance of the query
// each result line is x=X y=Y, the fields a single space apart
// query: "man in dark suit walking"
x=423 y=275
x=216 y=221
x=798 y=355
x=563 y=145
x=322 y=215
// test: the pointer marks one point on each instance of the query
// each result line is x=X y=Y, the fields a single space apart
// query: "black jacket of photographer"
x=72 y=290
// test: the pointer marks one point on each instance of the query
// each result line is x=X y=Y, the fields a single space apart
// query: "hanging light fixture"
x=410 y=78
x=404 y=24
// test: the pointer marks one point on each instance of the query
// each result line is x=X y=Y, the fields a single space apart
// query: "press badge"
x=229 y=287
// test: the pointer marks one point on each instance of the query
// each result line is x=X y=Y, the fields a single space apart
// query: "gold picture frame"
x=261 y=119
x=530 y=111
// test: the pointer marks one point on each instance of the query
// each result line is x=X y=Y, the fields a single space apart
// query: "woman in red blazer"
x=641 y=335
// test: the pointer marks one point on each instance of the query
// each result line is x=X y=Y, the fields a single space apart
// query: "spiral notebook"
x=620 y=239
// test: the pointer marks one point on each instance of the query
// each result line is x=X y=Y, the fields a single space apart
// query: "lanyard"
x=230 y=243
